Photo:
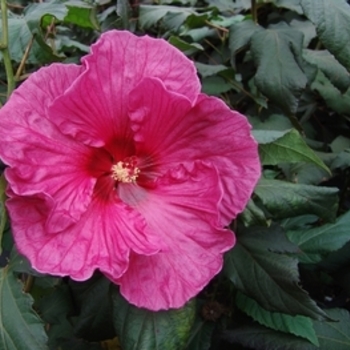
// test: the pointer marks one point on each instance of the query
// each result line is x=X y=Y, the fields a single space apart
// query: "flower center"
x=126 y=171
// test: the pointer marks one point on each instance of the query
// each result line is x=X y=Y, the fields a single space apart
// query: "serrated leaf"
x=143 y=329
x=284 y=199
x=279 y=76
x=258 y=269
x=285 y=146
x=333 y=97
x=331 y=19
x=241 y=33
x=150 y=15
x=300 y=326
x=293 y=5
x=20 y=326
x=261 y=338
x=253 y=215
x=334 y=335
x=208 y=70
x=332 y=69
x=316 y=242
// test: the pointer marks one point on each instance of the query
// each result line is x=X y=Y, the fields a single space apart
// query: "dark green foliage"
x=285 y=285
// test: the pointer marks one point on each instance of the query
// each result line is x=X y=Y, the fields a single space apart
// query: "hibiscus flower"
x=120 y=164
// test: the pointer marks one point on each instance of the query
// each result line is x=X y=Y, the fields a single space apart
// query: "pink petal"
x=102 y=239
x=183 y=206
x=169 y=134
x=94 y=110
x=41 y=158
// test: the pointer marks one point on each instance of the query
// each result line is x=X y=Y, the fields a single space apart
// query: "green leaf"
x=258 y=268
x=143 y=329
x=317 y=242
x=285 y=146
x=334 y=71
x=279 y=77
x=285 y=199
x=20 y=37
x=124 y=12
x=241 y=33
x=20 y=326
x=150 y=15
x=331 y=19
x=262 y=338
x=334 y=335
x=94 y=322
x=293 y=5
x=187 y=48
x=81 y=14
x=201 y=335
x=300 y=326
x=253 y=215
x=208 y=70
x=333 y=97
x=216 y=85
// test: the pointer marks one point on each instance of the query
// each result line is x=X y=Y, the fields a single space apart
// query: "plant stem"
x=5 y=50
x=254 y=9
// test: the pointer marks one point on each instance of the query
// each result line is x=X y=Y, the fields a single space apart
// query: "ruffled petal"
x=102 y=239
x=209 y=131
x=40 y=157
x=183 y=206
x=95 y=109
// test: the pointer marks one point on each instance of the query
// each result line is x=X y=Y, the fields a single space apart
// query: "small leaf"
x=300 y=326
x=285 y=146
x=317 y=242
x=208 y=70
x=256 y=266
x=284 y=199
x=334 y=335
x=20 y=326
x=279 y=76
x=187 y=48
x=331 y=19
x=201 y=335
x=81 y=14
x=143 y=329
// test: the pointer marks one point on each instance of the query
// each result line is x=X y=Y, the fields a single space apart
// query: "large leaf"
x=284 y=199
x=316 y=242
x=300 y=326
x=201 y=334
x=334 y=335
x=279 y=76
x=241 y=33
x=334 y=71
x=150 y=15
x=20 y=326
x=261 y=338
x=285 y=146
x=142 y=329
x=258 y=268
x=332 y=24
x=94 y=322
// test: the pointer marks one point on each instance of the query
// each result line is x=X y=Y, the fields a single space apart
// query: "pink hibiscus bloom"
x=120 y=164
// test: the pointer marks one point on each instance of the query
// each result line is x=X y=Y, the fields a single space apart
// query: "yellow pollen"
x=125 y=172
